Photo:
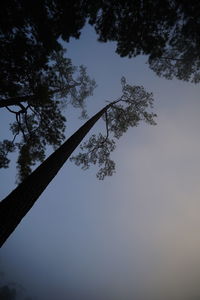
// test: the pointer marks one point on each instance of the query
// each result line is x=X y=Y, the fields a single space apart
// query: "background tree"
x=168 y=34
x=39 y=119
x=30 y=32
x=36 y=78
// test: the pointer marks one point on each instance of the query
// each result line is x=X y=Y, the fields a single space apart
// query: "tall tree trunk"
x=16 y=205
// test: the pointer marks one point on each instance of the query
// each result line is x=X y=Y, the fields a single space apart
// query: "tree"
x=38 y=110
x=168 y=34
x=131 y=108
x=29 y=35
x=36 y=79
x=30 y=46
x=30 y=42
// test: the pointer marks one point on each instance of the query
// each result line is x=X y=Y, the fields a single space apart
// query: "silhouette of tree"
x=29 y=35
x=38 y=110
x=36 y=77
x=127 y=111
x=167 y=33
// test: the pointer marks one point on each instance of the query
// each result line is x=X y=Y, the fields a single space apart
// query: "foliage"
x=30 y=31
x=167 y=33
x=35 y=71
x=40 y=121
x=131 y=108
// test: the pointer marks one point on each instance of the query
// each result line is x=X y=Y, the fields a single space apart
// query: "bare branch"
x=12 y=111
x=18 y=119
x=26 y=121
x=106 y=115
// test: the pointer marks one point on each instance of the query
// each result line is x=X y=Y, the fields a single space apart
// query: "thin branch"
x=107 y=129
x=100 y=145
x=42 y=120
x=114 y=102
x=12 y=111
x=18 y=119
x=34 y=111
x=16 y=134
x=13 y=140
x=23 y=109
x=26 y=121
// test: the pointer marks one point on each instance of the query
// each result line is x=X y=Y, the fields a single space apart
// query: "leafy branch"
x=38 y=109
x=123 y=113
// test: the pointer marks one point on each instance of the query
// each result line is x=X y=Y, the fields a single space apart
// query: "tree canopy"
x=128 y=111
x=37 y=78
x=39 y=118
x=167 y=33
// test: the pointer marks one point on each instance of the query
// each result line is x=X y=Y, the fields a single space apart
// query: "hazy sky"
x=135 y=235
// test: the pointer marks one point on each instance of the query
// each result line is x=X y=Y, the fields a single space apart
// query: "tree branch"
x=12 y=111
x=15 y=100
x=18 y=119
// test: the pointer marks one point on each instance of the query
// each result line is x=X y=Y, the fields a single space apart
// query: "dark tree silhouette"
x=167 y=33
x=131 y=108
x=34 y=80
x=35 y=73
x=39 y=120
x=29 y=35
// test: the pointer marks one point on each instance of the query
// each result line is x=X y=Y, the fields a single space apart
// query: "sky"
x=135 y=235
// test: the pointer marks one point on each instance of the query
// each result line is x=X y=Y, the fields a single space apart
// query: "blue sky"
x=134 y=235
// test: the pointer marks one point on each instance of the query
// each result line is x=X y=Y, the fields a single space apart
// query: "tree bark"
x=16 y=205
